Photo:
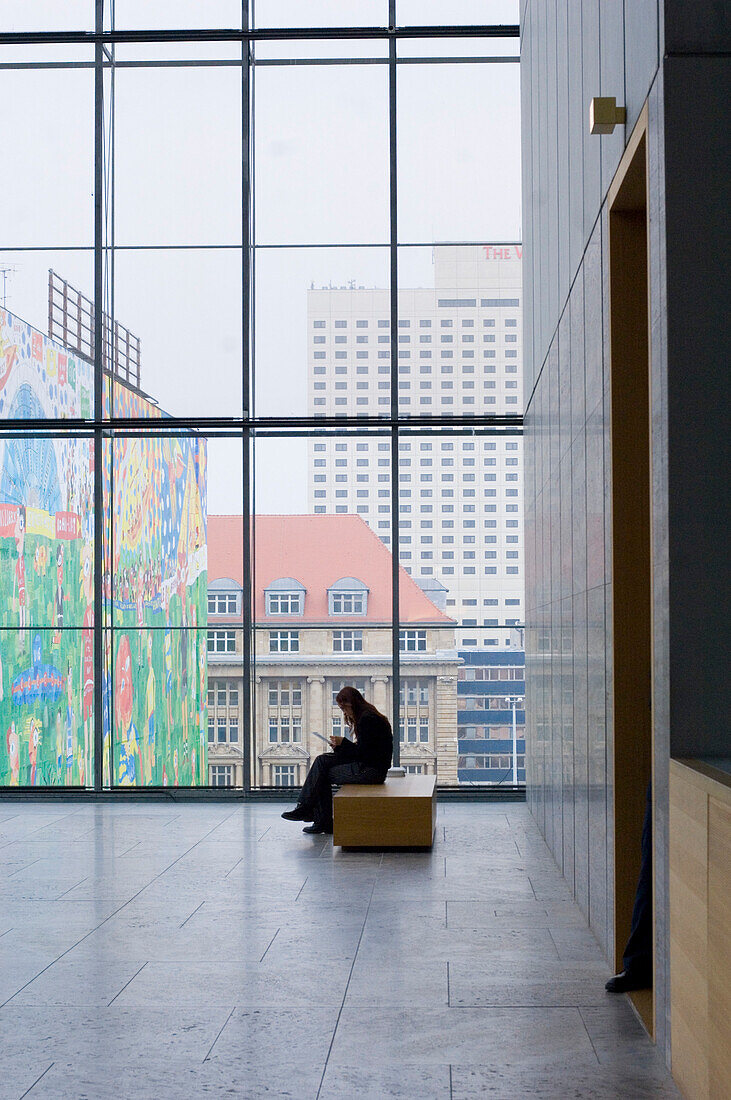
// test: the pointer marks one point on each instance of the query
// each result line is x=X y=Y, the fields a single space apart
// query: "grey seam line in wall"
x=586 y=243
x=573 y=280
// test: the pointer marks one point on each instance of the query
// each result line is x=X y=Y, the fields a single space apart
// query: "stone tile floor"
x=159 y=950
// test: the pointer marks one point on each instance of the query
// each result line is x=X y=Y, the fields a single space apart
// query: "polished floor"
x=186 y=950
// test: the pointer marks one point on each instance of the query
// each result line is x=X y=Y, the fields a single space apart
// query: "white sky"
x=321 y=176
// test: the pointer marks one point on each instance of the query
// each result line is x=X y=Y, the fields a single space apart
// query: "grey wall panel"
x=596 y=699
x=564 y=384
x=593 y=320
x=578 y=356
x=543 y=311
x=595 y=497
x=566 y=531
x=562 y=151
x=641 y=54
x=698 y=241
x=660 y=584
x=697 y=27
x=567 y=712
x=576 y=139
x=552 y=228
x=609 y=47
x=581 y=754
x=611 y=60
x=591 y=81
x=526 y=107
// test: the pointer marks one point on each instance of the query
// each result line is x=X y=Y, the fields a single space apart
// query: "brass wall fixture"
x=604 y=114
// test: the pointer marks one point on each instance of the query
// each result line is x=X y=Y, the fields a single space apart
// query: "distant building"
x=460 y=497
x=322 y=611
x=491 y=718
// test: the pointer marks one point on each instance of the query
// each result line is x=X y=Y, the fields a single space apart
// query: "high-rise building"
x=459 y=496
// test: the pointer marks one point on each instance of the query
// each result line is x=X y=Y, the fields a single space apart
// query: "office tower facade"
x=459 y=495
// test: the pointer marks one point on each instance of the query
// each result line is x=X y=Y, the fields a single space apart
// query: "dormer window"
x=224 y=597
x=285 y=596
x=348 y=596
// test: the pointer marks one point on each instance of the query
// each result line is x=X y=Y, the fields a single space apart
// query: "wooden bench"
x=400 y=813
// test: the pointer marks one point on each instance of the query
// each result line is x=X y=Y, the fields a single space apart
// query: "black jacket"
x=374 y=746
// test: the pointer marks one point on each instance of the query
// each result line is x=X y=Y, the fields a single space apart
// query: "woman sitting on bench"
x=365 y=760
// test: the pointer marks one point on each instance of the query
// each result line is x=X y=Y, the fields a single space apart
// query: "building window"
x=285 y=597
x=284 y=641
x=348 y=603
x=337 y=685
x=284 y=775
x=221 y=641
x=414 y=692
x=285 y=693
x=285 y=730
x=347 y=641
x=223 y=603
x=222 y=693
x=412 y=641
x=221 y=775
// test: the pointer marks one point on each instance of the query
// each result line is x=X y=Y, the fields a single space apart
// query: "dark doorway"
x=631 y=531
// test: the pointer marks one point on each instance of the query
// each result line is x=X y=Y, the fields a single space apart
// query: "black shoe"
x=624 y=983
x=313 y=830
x=299 y=813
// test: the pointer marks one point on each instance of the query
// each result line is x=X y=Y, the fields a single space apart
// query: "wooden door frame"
x=631 y=481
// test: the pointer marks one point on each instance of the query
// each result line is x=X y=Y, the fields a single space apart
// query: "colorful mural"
x=155 y=587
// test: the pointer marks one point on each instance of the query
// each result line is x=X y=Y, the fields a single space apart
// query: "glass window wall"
x=260 y=392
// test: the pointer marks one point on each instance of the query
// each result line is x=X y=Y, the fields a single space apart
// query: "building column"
x=315 y=714
x=380 y=693
x=445 y=730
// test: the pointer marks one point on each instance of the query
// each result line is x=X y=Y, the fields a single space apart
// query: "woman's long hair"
x=351 y=697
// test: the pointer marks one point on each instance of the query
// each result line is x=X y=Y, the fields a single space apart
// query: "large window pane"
x=168 y=620
x=177 y=157
x=158 y=707
x=47 y=15
x=46 y=532
x=461 y=541
x=321 y=13
x=322 y=592
x=47 y=707
x=431 y=12
x=321 y=154
x=184 y=307
x=460 y=330
x=48 y=182
x=322 y=332
x=470 y=114
x=161 y=14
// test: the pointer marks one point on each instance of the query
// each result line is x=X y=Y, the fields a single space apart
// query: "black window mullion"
x=248 y=701
x=393 y=246
x=99 y=510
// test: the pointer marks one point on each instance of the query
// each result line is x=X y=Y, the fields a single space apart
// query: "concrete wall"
x=569 y=53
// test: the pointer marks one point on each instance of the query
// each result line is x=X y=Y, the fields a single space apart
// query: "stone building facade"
x=315 y=629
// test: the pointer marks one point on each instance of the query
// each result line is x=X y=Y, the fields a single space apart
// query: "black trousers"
x=637 y=957
x=326 y=769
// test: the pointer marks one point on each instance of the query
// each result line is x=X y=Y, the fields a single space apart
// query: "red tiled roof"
x=317 y=551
